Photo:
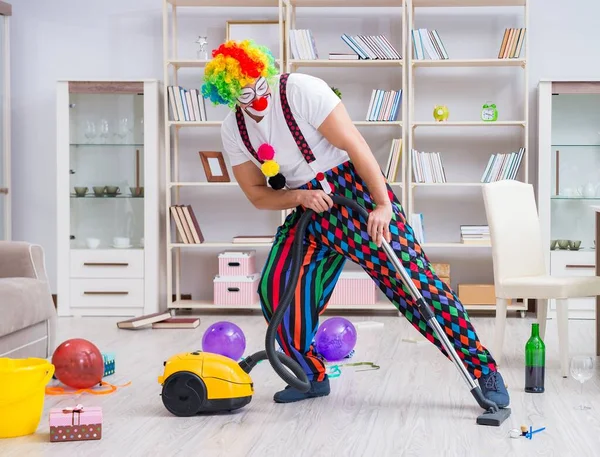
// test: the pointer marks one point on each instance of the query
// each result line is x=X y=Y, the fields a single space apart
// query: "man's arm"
x=252 y=182
x=339 y=130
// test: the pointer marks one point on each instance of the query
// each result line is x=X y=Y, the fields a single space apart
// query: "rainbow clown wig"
x=235 y=64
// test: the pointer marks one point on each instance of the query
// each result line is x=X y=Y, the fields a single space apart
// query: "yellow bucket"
x=22 y=390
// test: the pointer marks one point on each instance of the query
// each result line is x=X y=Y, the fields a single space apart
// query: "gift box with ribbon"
x=109 y=363
x=78 y=423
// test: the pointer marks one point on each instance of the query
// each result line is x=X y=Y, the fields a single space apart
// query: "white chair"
x=519 y=266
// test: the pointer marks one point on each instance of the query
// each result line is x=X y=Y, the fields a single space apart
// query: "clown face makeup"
x=256 y=98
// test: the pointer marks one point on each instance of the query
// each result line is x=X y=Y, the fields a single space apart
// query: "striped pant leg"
x=346 y=232
x=319 y=272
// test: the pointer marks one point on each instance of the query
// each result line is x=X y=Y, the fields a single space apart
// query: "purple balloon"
x=335 y=338
x=224 y=338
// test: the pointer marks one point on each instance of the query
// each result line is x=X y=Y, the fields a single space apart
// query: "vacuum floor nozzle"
x=495 y=418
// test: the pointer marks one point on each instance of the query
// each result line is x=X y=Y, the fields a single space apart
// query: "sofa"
x=27 y=312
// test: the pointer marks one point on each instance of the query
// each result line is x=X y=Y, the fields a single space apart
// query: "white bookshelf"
x=426 y=198
x=286 y=12
x=292 y=14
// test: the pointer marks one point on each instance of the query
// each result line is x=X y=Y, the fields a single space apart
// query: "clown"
x=291 y=143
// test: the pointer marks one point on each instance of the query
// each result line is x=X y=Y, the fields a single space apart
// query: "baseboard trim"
x=183 y=297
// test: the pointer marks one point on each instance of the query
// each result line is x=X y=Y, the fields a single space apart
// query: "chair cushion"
x=23 y=302
x=550 y=287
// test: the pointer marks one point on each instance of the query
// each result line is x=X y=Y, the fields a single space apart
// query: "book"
x=394 y=159
x=384 y=105
x=253 y=239
x=503 y=166
x=142 y=321
x=374 y=47
x=185 y=104
x=178 y=322
x=428 y=167
x=302 y=45
x=342 y=56
x=187 y=225
x=427 y=44
x=512 y=43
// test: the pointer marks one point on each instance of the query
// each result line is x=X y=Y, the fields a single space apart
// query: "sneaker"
x=493 y=388
x=291 y=394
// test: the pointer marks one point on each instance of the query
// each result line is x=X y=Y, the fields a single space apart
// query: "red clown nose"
x=260 y=104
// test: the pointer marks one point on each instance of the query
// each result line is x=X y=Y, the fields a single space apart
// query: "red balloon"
x=78 y=363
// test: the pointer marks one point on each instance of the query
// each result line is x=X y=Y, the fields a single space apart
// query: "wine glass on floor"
x=582 y=369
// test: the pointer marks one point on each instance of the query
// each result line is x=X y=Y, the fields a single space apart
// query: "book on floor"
x=178 y=322
x=142 y=321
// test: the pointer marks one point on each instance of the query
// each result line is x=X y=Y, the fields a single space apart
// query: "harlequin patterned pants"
x=339 y=235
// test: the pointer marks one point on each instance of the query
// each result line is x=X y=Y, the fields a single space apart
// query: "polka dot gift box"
x=79 y=423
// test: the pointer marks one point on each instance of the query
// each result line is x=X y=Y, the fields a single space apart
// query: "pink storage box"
x=354 y=288
x=236 y=290
x=78 y=423
x=237 y=263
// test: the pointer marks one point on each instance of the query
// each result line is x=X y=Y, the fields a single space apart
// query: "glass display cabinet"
x=5 y=224
x=569 y=180
x=108 y=187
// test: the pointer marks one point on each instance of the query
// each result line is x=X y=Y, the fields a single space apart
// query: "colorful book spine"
x=372 y=47
x=427 y=45
x=186 y=104
x=503 y=166
x=384 y=105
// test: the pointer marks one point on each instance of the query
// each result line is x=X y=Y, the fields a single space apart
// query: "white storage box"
x=236 y=290
x=354 y=288
x=237 y=263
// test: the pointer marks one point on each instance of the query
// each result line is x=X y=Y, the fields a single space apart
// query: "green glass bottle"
x=535 y=361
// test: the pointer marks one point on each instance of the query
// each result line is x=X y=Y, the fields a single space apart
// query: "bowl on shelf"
x=81 y=191
x=136 y=191
x=563 y=244
x=112 y=191
x=99 y=191
x=574 y=245
x=553 y=244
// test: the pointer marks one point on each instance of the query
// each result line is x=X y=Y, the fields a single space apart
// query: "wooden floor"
x=414 y=405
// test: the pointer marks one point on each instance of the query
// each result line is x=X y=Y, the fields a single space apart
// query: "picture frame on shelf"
x=263 y=32
x=214 y=166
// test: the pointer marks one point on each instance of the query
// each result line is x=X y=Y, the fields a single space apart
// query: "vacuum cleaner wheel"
x=183 y=394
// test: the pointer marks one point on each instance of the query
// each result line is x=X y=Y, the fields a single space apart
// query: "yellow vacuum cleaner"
x=202 y=382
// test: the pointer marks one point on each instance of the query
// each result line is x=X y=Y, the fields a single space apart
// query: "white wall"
x=123 y=39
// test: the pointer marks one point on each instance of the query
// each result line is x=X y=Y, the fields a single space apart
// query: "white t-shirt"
x=311 y=101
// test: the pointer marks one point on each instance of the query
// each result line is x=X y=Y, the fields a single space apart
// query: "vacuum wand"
x=299 y=380
x=494 y=415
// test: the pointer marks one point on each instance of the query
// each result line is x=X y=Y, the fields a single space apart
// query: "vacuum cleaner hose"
x=300 y=381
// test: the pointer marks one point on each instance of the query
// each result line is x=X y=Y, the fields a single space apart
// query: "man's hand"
x=378 y=225
x=317 y=200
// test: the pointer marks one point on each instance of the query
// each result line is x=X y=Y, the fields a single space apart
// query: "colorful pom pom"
x=277 y=182
x=265 y=152
x=234 y=65
x=270 y=168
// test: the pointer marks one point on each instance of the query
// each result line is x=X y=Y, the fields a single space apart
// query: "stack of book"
x=187 y=224
x=384 y=105
x=186 y=104
x=416 y=222
x=302 y=44
x=475 y=234
x=391 y=170
x=427 y=44
x=503 y=166
x=512 y=43
x=428 y=167
x=373 y=47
